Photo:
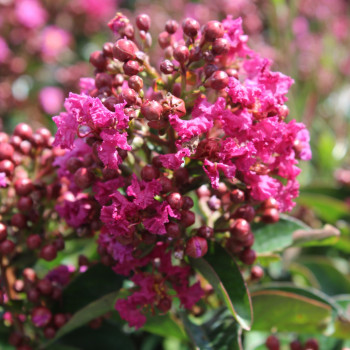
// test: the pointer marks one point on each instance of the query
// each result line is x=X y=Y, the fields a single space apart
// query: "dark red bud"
x=149 y=173
x=103 y=80
x=190 y=27
x=311 y=344
x=143 y=22
x=164 y=39
x=25 y=204
x=219 y=80
x=45 y=287
x=188 y=218
x=187 y=203
x=7 y=167
x=213 y=30
x=270 y=215
x=248 y=256
x=19 y=220
x=84 y=178
x=237 y=196
x=164 y=304
x=135 y=82
x=7 y=247
x=23 y=187
x=171 y=26
x=196 y=247
x=240 y=229
x=59 y=320
x=6 y=151
x=49 y=332
x=181 y=54
x=48 y=252
x=295 y=345
x=124 y=50
x=272 y=343
x=166 y=67
x=3 y=232
x=41 y=316
x=24 y=131
x=33 y=241
x=98 y=60
x=151 y=110
x=221 y=46
x=175 y=200
x=173 y=230
x=107 y=49
x=205 y=232
x=131 y=67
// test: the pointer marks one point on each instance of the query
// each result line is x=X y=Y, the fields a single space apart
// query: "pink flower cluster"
x=213 y=115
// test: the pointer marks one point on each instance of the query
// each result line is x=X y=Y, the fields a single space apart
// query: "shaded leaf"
x=222 y=272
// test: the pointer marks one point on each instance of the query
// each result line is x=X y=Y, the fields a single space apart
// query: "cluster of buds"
x=144 y=147
x=272 y=343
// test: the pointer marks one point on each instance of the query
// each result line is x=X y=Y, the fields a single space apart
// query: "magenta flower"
x=30 y=13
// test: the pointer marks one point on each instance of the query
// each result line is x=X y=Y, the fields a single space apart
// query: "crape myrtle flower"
x=141 y=143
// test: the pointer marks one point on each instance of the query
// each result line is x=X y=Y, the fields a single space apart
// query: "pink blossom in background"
x=30 y=13
x=4 y=50
x=3 y=180
x=53 y=42
x=97 y=9
x=51 y=99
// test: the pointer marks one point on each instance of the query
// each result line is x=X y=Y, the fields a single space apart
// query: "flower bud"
x=25 y=204
x=188 y=218
x=240 y=229
x=7 y=247
x=173 y=230
x=124 y=50
x=84 y=178
x=6 y=151
x=98 y=60
x=213 y=30
x=196 y=247
x=272 y=343
x=187 y=203
x=171 y=26
x=49 y=332
x=143 y=22
x=19 y=220
x=221 y=46
x=181 y=54
x=3 y=232
x=7 y=167
x=175 y=200
x=149 y=173
x=248 y=256
x=164 y=39
x=167 y=67
x=130 y=96
x=24 y=131
x=237 y=196
x=219 y=80
x=131 y=67
x=24 y=187
x=190 y=27
x=41 y=316
x=151 y=110
x=103 y=80
x=311 y=344
x=33 y=241
x=48 y=252
x=164 y=304
x=135 y=82
x=256 y=274
x=270 y=215
x=45 y=287
x=205 y=232
x=107 y=49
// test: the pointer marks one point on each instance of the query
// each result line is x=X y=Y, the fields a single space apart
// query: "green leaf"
x=289 y=312
x=221 y=332
x=106 y=337
x=87 y=314
x=164 y=326
x=89 y=286
x=278 y=236
x=222 y=272
x=322 y=274
x=327 y=208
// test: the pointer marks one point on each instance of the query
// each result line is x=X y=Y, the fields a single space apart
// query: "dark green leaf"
x=96 y=282
x=222 y=272
x=276 y=237
x=87 y=314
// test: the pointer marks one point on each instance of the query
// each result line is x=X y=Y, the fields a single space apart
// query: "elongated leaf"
x=221 y=332
x=290 y=312
x=329 y=209
x=89 y=286
x=87 y=314
x=327 y=277
x=222 y=272
x=164 y=326
x=278 y=236
x=311 y=293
